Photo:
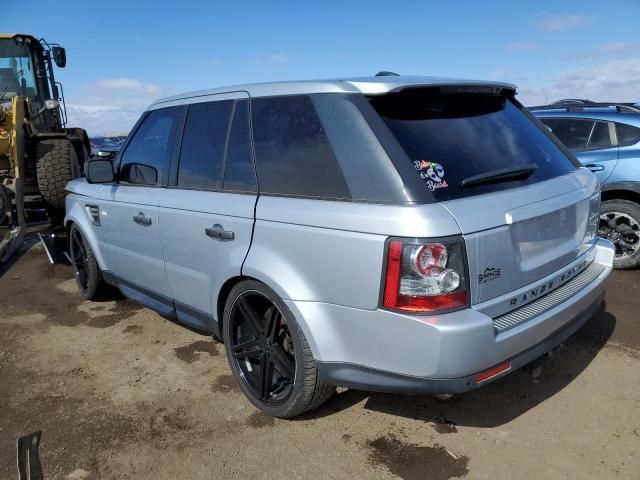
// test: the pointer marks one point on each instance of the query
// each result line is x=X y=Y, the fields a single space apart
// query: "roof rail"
x=571 y=101
x=574 y=107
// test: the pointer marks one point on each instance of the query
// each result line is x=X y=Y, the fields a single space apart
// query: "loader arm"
x=17 y=226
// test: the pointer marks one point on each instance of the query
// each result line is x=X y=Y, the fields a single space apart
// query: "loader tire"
x=56 y=165
x=5 y=205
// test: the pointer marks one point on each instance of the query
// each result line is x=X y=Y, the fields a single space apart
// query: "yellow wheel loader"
x=39 y=154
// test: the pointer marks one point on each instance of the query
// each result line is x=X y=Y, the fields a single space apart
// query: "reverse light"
x=425 y=276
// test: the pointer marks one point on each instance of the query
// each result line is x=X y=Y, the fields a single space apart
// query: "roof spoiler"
x=480 y=88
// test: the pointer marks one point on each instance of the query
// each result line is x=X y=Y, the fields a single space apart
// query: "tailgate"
x=518 y=236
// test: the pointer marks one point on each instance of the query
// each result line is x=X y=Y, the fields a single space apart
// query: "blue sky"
x=122 y=55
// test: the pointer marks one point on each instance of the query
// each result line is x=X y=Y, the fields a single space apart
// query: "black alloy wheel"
x=620 y=224
x=80 y=260
x=269 y=354
x=262 y=348
x=85 y=267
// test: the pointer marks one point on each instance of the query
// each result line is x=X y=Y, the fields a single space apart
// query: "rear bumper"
x=386 y=351
x=363 y=378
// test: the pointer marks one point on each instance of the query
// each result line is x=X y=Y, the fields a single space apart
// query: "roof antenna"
x=385 y=73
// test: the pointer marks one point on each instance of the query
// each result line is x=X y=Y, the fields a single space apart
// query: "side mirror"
x=59 y=55
x=99 y=171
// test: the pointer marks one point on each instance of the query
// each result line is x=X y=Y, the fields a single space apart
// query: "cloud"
x=612 y=50
x=521 y=46
x=278 y=58
x=498 y=74
x=111 y=104
x=128 y=84
x=562 y=23
x=616 y=80
x=271 y=59
x=615 y=47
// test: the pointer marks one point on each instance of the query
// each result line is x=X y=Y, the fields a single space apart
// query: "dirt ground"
x=120 y=392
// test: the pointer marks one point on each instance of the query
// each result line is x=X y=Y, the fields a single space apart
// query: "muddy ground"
x=120 y=392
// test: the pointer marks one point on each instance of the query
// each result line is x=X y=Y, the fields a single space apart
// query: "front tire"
x=269 y=354
x=620 y=223
x=85 y=267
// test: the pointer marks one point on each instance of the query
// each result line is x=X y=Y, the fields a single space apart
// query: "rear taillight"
x=593 y=221
x=425 y=276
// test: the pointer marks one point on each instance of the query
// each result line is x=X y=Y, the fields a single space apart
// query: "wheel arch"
x=621 y=194
x=223 y=295
x=77 y=216
x=224 y=292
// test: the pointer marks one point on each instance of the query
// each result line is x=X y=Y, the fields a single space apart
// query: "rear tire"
x=56 y=165
x=620 y=223
x=272 y=343
x=85 y=267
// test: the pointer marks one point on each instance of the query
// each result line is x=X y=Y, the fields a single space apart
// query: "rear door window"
x=238 y=167
x=146 y=158
x=600 y=138
x=573 y=133
x=203 y=145
x=450 y=137
x=293 y=153
x=627 y=134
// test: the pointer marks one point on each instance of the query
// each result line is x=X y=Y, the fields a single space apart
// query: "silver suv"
x=399 y=234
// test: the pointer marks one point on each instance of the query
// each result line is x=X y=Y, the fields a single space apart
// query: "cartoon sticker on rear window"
x=432 y=173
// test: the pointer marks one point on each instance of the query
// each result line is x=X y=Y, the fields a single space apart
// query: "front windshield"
x=16 y=70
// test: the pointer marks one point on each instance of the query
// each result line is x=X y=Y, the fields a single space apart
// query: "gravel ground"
x=120 y=392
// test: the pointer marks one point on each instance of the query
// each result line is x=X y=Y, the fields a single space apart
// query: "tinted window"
x=452 y=137
x=627 y=135
x=600 y=137
x=238 y=167
x=203 y=142
x=293 y=154
x=150 y=148
x=571 y=132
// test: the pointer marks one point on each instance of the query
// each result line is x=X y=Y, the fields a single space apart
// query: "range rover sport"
x=399 y=234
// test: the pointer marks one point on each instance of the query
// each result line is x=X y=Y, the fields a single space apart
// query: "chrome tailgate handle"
x=142 y=219
x=218 y=232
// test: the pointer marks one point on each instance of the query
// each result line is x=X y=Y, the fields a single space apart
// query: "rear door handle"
x=142 y=219
x=218 y=232
x=594 y=167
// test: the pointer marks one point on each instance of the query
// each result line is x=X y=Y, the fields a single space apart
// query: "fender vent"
x=94 y=214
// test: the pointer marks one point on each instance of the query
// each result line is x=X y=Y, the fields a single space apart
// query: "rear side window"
x=450 y=137
x=627 y=134
x=238 y=167
x=573 y=133
x=146 y=158
x=600 y=137
x=203 y=144
x=293 y=154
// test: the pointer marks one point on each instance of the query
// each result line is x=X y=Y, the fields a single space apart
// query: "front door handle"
x=218 y=232
x=594 y=167
x=142 y=219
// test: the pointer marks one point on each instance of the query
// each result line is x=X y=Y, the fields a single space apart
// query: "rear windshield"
x=450 y=137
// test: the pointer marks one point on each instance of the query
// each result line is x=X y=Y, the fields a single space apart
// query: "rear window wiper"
x=500 y=175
